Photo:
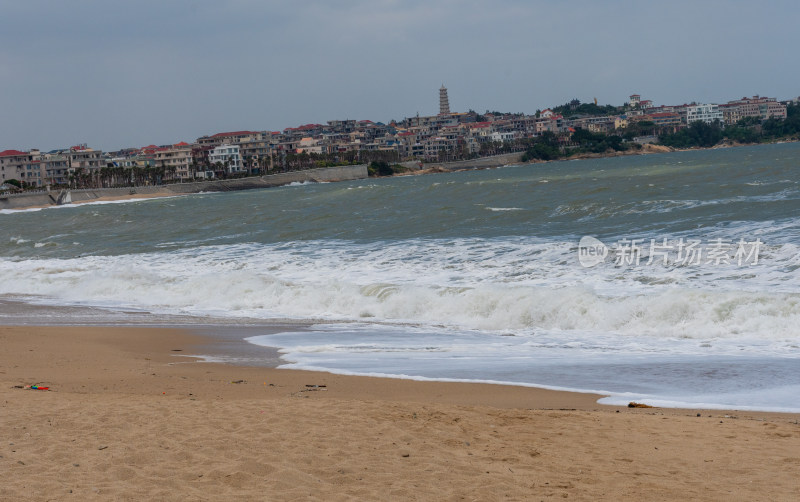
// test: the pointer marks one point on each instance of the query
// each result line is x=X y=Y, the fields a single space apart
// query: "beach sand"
x=127 y=419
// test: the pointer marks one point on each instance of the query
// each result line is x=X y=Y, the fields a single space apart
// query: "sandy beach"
x=126 y=418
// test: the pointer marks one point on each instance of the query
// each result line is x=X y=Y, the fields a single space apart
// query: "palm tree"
x=105 y=177
x=120 y=175
x=170 y=170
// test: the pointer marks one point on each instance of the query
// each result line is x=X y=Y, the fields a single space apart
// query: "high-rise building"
x=444 y=103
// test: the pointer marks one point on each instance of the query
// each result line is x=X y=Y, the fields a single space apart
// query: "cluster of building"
x=729 y=113
x=40 y=168
x=441 y=137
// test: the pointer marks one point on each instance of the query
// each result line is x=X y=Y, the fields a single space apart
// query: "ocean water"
x=687 y=293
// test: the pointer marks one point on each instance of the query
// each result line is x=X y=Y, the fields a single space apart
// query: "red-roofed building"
x=35 y=168
x=12 y=153
x=480 y=130
x=176 y=160
x=663 y=119
x=19 y=165
x=552 y=123
x=757 y=106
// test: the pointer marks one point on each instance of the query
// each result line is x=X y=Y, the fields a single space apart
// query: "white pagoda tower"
x=444 y=103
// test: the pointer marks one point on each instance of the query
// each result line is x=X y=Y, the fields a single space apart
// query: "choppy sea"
x=670 y=279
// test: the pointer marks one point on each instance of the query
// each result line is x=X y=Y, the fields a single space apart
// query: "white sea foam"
x=471 y=284
x=89 y=203
x=125 y=201
x=303 y=183
x=27 y=210
x=774 y=400
x=660 y=372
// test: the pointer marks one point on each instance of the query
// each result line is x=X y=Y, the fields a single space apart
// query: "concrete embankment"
x=44 y=198
x=481 y=163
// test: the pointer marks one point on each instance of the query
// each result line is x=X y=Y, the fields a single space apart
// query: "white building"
x=228 y=156
x=703 y=113
x=502 y=137
x=309 y=145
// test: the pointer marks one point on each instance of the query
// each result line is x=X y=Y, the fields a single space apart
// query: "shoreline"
x=161 y=191
x=196 y=340
x=153 y=343
x=226 y=344
x=125 y=419
x=32 y=200
x=647 y=149
x=562 y=397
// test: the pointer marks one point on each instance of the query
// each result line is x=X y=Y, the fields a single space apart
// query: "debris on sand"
x=31 y=387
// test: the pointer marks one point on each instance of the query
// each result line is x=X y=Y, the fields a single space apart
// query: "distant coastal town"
x=560 y=132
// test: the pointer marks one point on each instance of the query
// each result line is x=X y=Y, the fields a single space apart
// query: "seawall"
x=330 y=174
x=481 y=163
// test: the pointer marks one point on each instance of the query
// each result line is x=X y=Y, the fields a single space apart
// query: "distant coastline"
x=29 y=200
x=515 y=158
x=41 y=199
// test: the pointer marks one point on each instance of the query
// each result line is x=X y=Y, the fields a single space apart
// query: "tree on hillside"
x=697 y=134
x=575 y=107
x=596 y=142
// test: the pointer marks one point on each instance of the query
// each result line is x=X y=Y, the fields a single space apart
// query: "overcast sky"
x=117 y=74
